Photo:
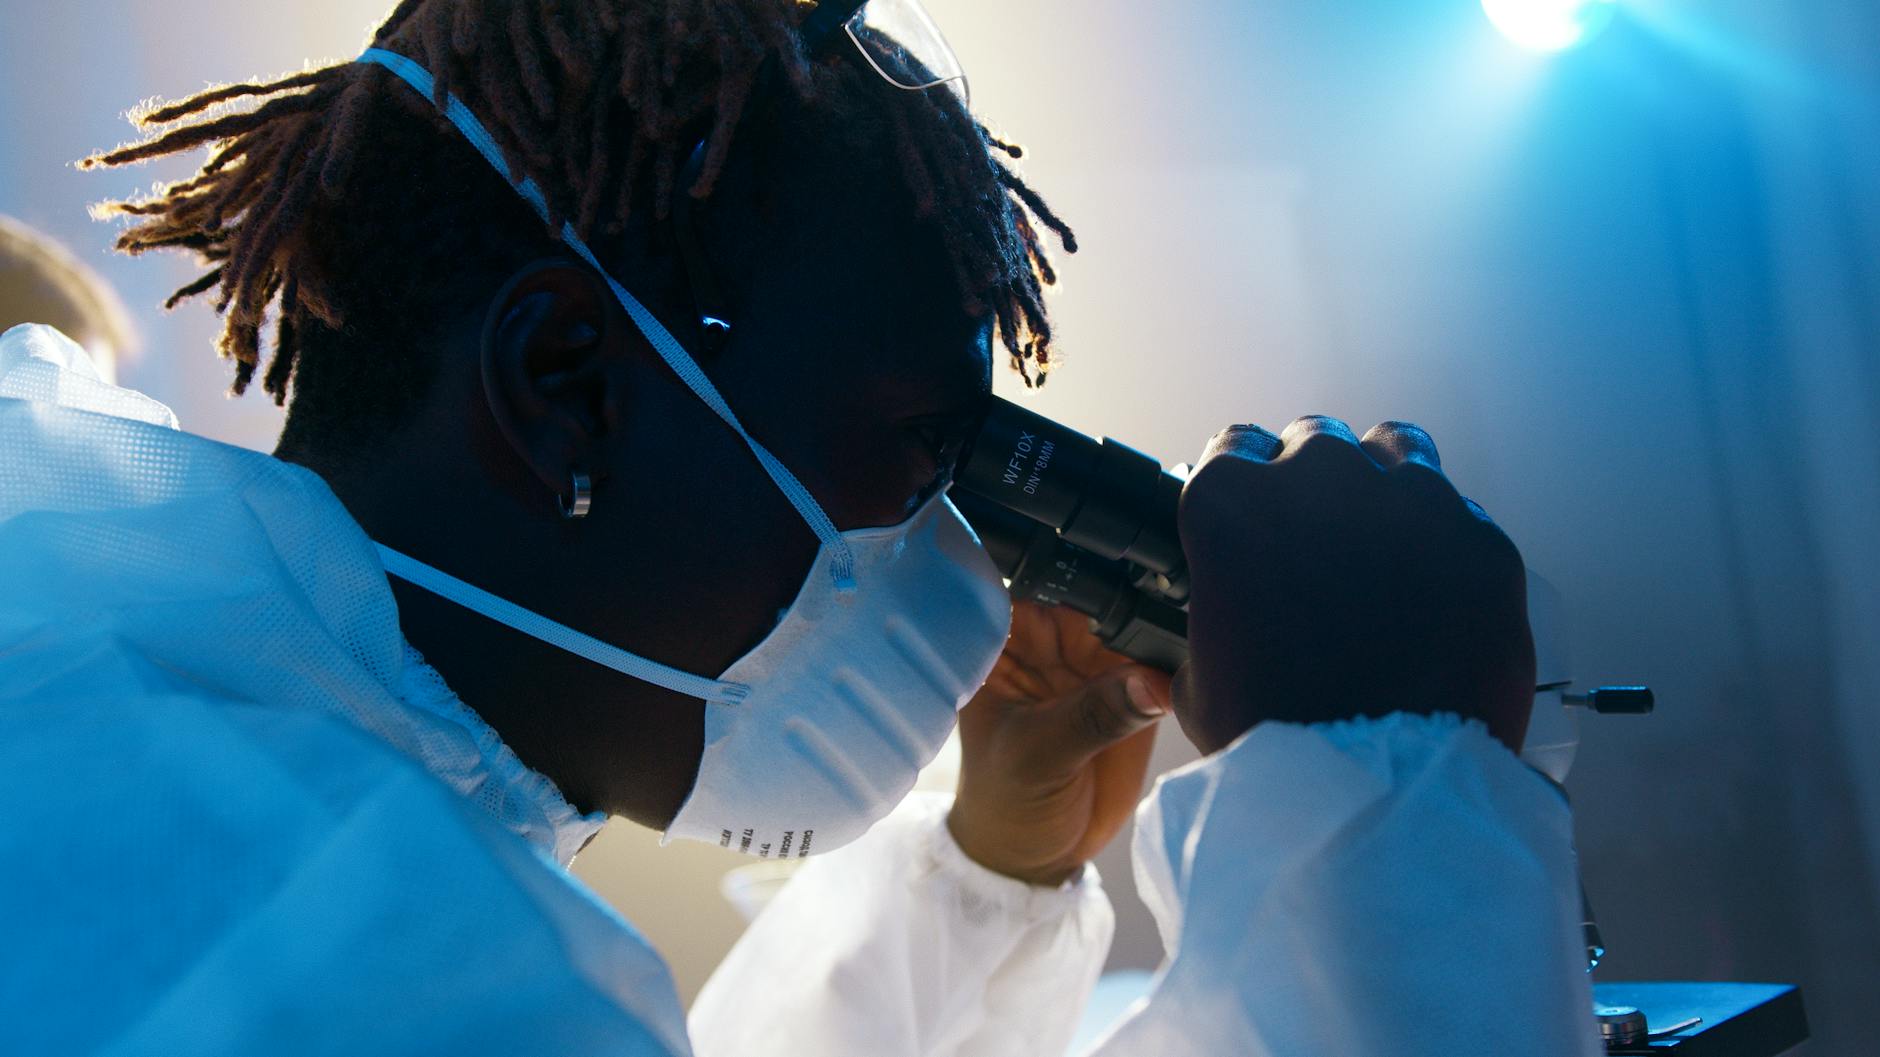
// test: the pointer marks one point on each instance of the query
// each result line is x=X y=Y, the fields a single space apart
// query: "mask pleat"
x=924 y=661
x=883 y=715
x=842 y=774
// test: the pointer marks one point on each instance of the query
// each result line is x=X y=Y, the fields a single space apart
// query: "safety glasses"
x=897 y=37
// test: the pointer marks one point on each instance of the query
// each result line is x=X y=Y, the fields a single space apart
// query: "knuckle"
x=1318 y=424
x=1399 y=428
x=1306 y=427
x=1396 y=442
x=1325 y=446
x=1241 y=429
x=1246 y=441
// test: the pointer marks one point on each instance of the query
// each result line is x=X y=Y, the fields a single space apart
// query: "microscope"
x=1091 y=525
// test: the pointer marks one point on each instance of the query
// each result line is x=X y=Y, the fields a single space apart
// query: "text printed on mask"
x=749 y=836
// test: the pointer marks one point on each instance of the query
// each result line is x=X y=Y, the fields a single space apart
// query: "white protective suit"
x=244 y=817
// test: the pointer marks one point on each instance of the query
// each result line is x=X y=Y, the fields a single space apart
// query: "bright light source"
x=1549 y=25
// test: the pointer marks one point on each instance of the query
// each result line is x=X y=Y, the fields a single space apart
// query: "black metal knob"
x=1621 y=1025
x=1615 y=700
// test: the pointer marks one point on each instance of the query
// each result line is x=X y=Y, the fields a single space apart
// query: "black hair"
x=337 y=204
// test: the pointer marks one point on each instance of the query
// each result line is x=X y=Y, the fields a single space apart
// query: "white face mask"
x=820 y=730
x=852 y=693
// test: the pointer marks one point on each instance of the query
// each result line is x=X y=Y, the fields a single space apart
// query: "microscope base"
x=1738 y=1020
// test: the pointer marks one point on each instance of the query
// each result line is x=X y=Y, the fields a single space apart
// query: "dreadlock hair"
x=342 y=207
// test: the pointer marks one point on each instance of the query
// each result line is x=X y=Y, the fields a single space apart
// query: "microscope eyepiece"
x=1102 y=496
x=1081 y=523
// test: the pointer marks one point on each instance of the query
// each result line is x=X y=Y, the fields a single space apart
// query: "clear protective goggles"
x=900 y=40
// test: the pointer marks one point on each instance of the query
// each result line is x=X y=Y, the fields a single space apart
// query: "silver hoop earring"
x=583 y=500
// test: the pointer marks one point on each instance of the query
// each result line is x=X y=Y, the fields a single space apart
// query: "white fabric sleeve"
x=900 y=944
x=1399 y=887
x=220 y=878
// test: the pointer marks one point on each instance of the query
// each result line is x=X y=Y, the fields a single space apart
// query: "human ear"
x=555 y=363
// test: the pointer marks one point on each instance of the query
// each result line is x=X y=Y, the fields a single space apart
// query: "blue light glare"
x=1549 y=25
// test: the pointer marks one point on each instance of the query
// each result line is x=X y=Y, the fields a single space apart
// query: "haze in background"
x=1629 y=288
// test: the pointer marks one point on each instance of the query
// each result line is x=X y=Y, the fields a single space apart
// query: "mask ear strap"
x=842 y=567
x=539 y=627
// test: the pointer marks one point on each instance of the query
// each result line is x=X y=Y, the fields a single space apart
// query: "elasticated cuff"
x=926 y=814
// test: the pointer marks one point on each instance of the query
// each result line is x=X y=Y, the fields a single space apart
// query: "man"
x=635 y=342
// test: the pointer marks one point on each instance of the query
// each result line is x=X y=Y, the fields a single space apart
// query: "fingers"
x=1406 y=452
x=1236 y=476
x=1059 y=735
x=1244 y=441
x=1389 y=444
x=1326 y=449
x=1403 y=449
x=1231 y=457
x=1327 y=444
x=1393 y=443
x=1110 y=708
x=1055 y=647
x=1122 y=770
x=1294 y=436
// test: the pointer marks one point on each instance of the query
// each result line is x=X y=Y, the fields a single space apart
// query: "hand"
x=1054 y=749
x=1334 y=577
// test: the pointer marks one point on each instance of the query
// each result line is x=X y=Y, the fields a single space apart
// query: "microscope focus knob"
x=1615 y=700
x=1621 y=1025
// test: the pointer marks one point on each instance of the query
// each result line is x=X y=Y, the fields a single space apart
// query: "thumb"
x=1110 y=708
